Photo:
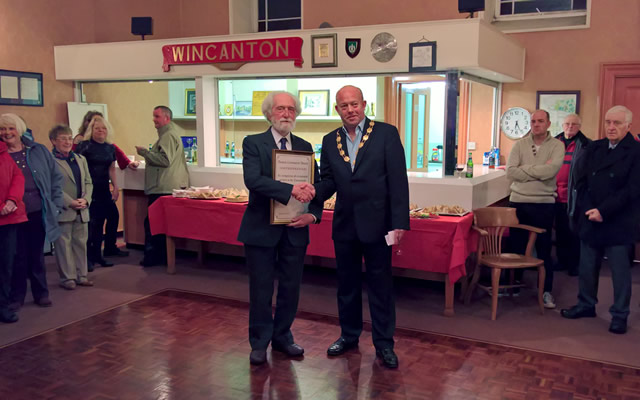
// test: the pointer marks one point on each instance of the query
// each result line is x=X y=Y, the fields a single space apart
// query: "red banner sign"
x=276 y=49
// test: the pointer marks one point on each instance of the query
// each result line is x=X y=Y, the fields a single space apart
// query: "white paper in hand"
x=391 y=238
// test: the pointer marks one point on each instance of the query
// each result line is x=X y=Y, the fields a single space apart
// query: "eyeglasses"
x=533 y=149
x=571 y=124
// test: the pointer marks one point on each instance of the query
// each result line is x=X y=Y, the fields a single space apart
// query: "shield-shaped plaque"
x=352 y=46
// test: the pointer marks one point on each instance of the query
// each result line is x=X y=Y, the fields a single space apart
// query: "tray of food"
x=443 y=209
x=330 y=204
x=420 y=213
x=230 y=192
x=237 y=199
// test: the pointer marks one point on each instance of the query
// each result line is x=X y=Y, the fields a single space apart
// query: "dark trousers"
x=8 y=238
x=111 y=228
x=101 y=210
x=567 y=242
x=284 y=262
x=29 y=260
x=539 y=215
x=620 y=264
x=155 y=246
x=377 y=257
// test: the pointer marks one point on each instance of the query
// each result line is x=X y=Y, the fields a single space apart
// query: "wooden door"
x=620 y=85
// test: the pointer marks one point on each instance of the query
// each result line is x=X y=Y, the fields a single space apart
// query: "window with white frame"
x=522 y=7
x=538 y=15
x=279 y=15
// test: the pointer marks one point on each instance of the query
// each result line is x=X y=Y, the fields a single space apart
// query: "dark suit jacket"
x=255 y=228
x=610 y=182
x=374 y=198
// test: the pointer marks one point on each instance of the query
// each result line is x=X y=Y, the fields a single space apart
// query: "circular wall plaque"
x=384 y=47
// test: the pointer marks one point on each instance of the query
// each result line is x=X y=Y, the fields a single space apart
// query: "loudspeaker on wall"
x=142 y=26
x=468 y=6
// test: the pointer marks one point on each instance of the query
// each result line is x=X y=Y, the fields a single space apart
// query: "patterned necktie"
x=283 y=144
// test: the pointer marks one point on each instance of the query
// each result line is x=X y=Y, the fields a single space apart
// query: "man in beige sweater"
x=532 y=167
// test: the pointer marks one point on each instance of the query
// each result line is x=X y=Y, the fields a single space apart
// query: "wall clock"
x=515 y=122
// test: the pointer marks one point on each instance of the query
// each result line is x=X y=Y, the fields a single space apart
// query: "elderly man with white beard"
x=274 y=251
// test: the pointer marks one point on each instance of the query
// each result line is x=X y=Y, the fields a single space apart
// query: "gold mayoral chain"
x=364 y=139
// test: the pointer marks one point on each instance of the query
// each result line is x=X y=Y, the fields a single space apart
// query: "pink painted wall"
x=570 y=59
x=341 y=13
x=28 y=32
x=30 y=28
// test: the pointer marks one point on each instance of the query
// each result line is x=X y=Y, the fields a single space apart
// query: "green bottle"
x=469 y=173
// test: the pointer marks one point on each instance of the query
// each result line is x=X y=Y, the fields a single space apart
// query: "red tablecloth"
x=440 y=244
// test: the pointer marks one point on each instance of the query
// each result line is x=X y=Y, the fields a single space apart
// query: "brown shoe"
x=84 y=282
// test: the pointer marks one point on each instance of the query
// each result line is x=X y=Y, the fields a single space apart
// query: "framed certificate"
x=422 y=56
x=324 y=52
x=290 y=167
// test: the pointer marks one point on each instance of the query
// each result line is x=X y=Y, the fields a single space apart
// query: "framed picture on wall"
x=190 y=102
x=314 y=102
x=422 y=56
x=324 y=52
x=559 y=104
x=21 y=88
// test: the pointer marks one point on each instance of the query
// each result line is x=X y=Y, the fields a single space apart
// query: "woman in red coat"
x=12 y=212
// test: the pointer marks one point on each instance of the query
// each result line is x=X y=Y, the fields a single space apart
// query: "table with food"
x=438 y=244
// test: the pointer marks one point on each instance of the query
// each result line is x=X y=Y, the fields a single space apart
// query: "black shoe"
x=7 y=316
x=103 y=263
x=576 y=312
x=388 y=357
x=340 y=346
x=115 y=253
x=292 y=350
x=618 y=326
x=44 y=302
x=258 y=357
x=90 y=266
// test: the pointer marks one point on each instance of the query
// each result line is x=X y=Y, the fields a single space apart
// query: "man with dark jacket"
x=274 y=251
x=608 y=187
x=363 y=162
x=567 y=241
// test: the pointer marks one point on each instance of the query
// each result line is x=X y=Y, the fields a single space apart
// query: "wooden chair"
x=491 y=223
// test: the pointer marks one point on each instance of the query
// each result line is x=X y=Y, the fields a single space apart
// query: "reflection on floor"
x=183 y=345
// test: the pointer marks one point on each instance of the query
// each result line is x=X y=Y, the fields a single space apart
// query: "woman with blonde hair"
x=43 y=203
x=101 y=157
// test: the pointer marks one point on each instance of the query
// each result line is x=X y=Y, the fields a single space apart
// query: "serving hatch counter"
x=425 y=189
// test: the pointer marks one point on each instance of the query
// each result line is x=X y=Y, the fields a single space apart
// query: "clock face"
x=384 y=47
x=515 y=122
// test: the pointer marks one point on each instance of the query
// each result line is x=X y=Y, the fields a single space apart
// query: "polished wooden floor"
x=180 y=345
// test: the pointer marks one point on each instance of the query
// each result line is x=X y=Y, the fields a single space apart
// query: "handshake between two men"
x=303 y=192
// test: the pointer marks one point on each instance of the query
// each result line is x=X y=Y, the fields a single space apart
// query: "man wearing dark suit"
x=274 y=251
x=608 y=187
x=363 y=162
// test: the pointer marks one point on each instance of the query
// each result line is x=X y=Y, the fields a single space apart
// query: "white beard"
x=284 y=126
